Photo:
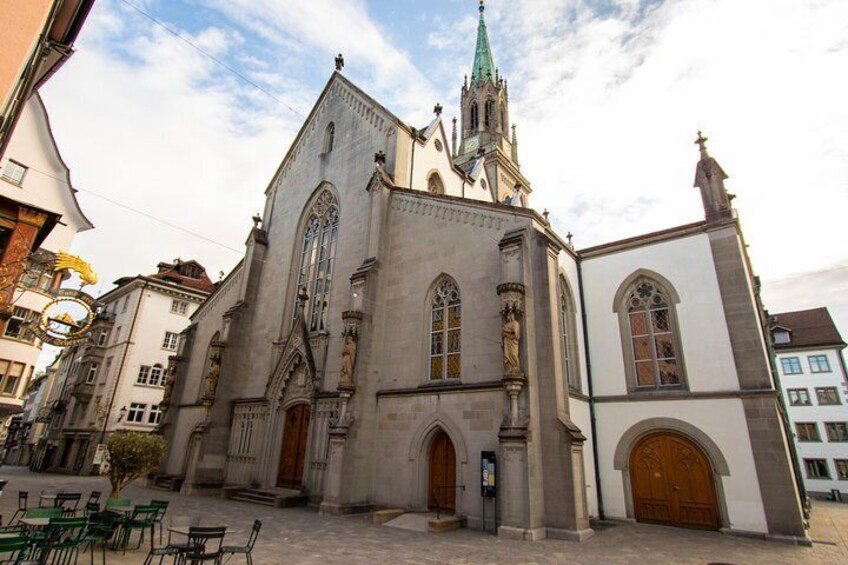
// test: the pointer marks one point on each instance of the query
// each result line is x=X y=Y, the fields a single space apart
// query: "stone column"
x=346 y=387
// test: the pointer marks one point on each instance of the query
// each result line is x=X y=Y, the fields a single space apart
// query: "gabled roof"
x=807 y=328
x=337 y=78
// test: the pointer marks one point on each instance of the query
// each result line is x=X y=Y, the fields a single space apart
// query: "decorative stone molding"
x=444 y=211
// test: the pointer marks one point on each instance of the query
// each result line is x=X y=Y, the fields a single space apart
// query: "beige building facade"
x=403 y=320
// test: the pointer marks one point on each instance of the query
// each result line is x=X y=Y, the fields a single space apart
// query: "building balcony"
x=82 y=391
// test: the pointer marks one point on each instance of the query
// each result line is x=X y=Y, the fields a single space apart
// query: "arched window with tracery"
x=474 y=117
x=329 y=137
x=317 y=258
x=652 y=353
x=568 y=341
x=435 y=184
x=490 y=113
x=445 y=331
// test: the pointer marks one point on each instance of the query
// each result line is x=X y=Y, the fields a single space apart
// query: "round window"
x=483 y=184
x=438 y=145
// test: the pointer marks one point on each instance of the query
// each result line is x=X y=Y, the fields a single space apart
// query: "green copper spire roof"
x=483 y=64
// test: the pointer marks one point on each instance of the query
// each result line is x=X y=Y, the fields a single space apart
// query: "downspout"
x=412 y=160
x=592 y=418
x=121 y=366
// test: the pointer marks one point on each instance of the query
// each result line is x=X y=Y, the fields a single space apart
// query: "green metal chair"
x=142 y=519
x=43 y=513
x=100 y=529
x=12 y=549
x=162 y=505
x=71 y=538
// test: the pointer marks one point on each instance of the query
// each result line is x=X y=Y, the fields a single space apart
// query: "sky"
x=173 y=130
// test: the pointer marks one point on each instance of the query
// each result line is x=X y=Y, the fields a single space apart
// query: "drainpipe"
x=121 y=366
x=412 y=160
x=592 y=418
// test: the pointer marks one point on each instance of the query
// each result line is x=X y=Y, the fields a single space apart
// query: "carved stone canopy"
x=512 y=298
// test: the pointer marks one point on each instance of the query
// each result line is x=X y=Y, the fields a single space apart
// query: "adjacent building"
x=39 y=217
x=815 y=390
x=116 y=381
x=401 y=316
x=38 y=37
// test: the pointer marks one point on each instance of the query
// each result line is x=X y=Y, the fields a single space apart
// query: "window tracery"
x=317 y=259
x=445 y=332
x=652 y=332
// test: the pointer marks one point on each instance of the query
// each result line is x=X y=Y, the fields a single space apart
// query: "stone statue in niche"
x=348 y=359
x=212 y=378
x=169 y=387
x=511 y=333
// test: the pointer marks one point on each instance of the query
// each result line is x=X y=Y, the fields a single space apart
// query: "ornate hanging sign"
x=66 y=319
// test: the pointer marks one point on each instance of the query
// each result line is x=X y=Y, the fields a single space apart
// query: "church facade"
x=401 y=313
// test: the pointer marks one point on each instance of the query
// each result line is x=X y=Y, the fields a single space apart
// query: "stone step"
x=282 y=498
x=251 y=500
x=445 y=524
x=380 y=517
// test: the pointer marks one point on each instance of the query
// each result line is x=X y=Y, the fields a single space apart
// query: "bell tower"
x=485 y=126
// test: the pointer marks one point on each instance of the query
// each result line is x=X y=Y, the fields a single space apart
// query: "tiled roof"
x=807 y=328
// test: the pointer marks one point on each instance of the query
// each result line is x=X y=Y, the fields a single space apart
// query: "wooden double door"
x=442 y=474
x=293 y=451
x=672 y=483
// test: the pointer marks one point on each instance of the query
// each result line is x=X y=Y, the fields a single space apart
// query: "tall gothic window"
x=490 y=113
x=567 y=337
x=653 y=353
x=317 y=257
x=474 y=118
x=445 y=338
x=435 y=184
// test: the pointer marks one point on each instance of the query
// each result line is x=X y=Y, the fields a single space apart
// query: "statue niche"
x=511 y=334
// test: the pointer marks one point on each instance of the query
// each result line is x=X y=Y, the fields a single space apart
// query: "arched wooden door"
x=442 y=478
x=672 y=483
x=293 y=451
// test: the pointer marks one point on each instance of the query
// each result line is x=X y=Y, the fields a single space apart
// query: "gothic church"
x=401 y=312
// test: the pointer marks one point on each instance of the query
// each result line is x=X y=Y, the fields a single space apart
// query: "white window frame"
x=179 y=307
x=156 y=372
x=135 y=415
x=15 y=172
x=143 y=375
x=154 y=416
x=91 y=376
x=170 y=341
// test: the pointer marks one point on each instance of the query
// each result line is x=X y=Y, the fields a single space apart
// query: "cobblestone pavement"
x=300 y=535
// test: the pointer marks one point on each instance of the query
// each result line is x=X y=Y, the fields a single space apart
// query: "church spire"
x=484 y=65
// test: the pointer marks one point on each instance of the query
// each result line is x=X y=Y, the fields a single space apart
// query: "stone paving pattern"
x=300 y=535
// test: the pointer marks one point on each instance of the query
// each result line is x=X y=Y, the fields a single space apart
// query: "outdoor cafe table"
x=36 y=522
x=49 y=497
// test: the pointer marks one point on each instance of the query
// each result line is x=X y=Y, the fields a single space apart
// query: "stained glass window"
x=445 y=332
x=317 y=259
x=655 y=355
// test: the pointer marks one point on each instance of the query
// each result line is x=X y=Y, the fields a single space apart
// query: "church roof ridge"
x=484 y=64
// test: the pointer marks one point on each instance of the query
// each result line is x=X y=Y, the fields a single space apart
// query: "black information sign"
x=488 y=469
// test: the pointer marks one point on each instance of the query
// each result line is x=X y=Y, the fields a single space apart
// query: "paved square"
x=300 y=535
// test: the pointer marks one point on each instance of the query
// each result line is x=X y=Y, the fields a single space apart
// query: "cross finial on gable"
x=437 y=109
x=257 y=219
x=701 y=142
x=568 y=236
x=339 y=62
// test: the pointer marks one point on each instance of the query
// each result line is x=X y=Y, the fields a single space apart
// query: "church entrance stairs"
x=277 y=497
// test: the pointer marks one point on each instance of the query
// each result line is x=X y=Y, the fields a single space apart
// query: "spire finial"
x=482 y=7
x=701 y=142
x=437 y=109
x=339 y=62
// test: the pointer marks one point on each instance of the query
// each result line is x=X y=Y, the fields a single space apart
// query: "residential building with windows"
x=39 y=217
x=116 y=381
x=808 y=350
x=401 y=311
